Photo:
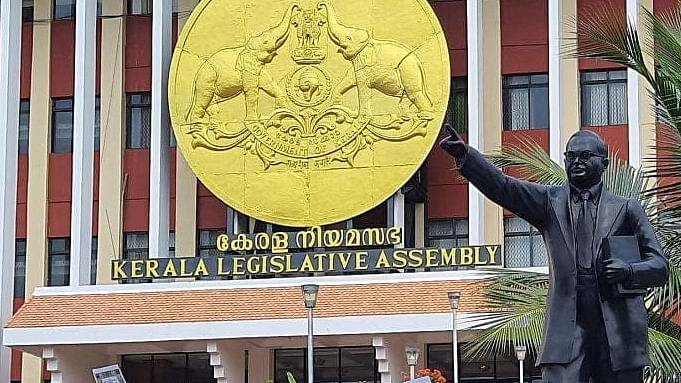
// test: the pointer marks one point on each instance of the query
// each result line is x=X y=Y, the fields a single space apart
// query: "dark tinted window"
x=59 y=250
x=20 y=268
x=138 y=120
x=24 y=121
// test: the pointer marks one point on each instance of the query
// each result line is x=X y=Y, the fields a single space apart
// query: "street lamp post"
x=310 y=296
x=454 y=298
x=520 y=352
x=412 y=358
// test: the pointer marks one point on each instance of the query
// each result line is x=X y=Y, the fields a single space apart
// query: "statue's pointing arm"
x=525 y=199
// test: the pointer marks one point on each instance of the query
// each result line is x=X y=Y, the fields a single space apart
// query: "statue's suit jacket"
x=548 y=209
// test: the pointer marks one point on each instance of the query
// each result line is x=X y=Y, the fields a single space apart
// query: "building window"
x=62 y=125
x=523 y=244
x=136 y=247
x=144 y=7
x=207 y=245
x=448 y=233
x=98 y=122
x=171 y=244
x=604 y=98
x=27 y=10
x=138 y=120
x=139 y=7
x=64 y=9
x=177 y=367
x=526 y=102
x=19 y=268
x=486 y=368
x=457 y=111
x=332 y=364
x=59 y=250
x=24 y=121
x=93 y=261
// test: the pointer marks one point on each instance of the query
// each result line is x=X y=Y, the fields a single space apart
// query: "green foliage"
x=290 y=377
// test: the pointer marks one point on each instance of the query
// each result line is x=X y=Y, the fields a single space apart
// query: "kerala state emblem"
x=307 y=87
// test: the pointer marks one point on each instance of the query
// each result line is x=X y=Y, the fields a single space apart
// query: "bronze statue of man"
x=590 y=331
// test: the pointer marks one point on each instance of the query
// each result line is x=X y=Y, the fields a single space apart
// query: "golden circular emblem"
x=308 y=112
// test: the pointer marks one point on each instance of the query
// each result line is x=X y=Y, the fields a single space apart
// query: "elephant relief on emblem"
x=309 y=126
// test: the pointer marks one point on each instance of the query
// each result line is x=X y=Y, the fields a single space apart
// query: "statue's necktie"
x=584 y=232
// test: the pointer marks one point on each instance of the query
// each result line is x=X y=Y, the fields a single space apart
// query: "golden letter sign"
x=308 y=112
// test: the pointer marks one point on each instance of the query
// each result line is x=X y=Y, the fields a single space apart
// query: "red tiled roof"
x=244 y=304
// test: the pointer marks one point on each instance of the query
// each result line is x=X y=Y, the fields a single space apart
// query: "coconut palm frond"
x=665 y=357
x=668 y=166
x=666 y=48
x=532 y=162
x=604 y=33
x=518 y=310
x=665 y=300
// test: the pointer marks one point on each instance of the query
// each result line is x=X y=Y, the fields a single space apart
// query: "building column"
x=227 y=359
x=71 y=364
x=159 y=174
x=640 y=105
x=394 y=357
x=38 y=154
x=112 y=143
x=83 y=142
x=485 y=220
x=185 y=180
x=259 y=364
x=564 y=114
x=10 y=66
x=382 y=358
x=396 y=213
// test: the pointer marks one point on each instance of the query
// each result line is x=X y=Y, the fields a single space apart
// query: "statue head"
x=586 y=158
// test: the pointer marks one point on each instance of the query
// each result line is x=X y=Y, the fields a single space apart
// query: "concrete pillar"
x=159 y=183
x=564 y=113
x=38 y=152
x=227 y=359
x=83 y=142
x=112 y=146
x=185 y=180
x=10 y=66
x=382 y=358
x=640 y=107
x=74 y=364
x=259 y=364
x=485 y=219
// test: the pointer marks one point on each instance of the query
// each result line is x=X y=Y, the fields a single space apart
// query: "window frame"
x=131 y=105
x=529 y=374
x=55 y=110
x=57 y=8
x=459 y=89
x=19 y=253
x=26 y=15
x=24 y=115
x=529 y=235
x=456 y=236
x=66 y=252
x=529 y=85
x=339 y=350
x=608 y=81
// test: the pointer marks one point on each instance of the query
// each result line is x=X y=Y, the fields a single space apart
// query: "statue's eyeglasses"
x=584 y=155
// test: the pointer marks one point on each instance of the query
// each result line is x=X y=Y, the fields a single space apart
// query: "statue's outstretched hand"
x=454 y=144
